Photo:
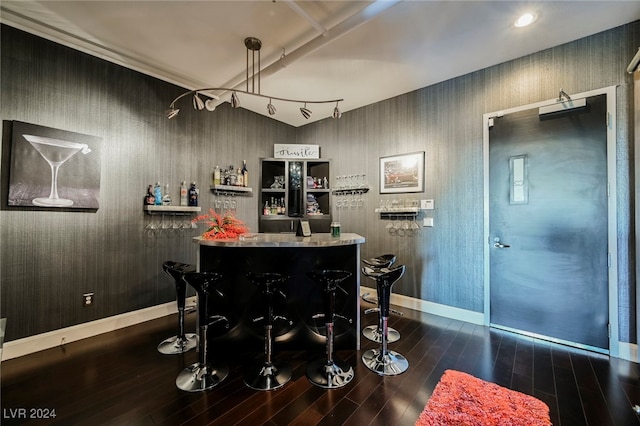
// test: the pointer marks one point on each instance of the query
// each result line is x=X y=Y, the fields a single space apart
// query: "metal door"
x=548 y=224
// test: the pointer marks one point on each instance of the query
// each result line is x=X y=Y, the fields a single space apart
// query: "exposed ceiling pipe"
x=300 y=11
x=352 y=22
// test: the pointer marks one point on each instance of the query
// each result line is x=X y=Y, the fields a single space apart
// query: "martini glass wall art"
x=55 y=152
x=54 y=169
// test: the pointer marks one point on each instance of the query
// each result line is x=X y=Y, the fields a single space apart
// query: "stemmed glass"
x=55 y=152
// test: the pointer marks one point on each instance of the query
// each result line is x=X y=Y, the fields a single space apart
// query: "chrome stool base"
x=335 y=374
x=373 y=333
x=198 y=377
x=268 y=377
x=177 y=345
x=389 y=364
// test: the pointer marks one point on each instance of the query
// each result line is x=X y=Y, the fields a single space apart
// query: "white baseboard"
x=626 y=351
x=431 y=308
x=39 y=342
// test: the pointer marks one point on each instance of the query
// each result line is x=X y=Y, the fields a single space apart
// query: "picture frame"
x=54 y=169
x=402 y=173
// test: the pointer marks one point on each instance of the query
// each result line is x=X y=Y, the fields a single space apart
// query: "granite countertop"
x=285 y=240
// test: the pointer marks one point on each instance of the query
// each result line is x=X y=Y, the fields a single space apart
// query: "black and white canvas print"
x=53 y=168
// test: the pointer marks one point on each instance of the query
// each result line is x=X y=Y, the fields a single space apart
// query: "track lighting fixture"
x=253 y=46
x=336 y=112
x=235 y=102
x=197 y=102
x=306 y=113
x=271 y=108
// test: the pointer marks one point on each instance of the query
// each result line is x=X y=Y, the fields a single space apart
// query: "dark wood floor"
x=120 y=379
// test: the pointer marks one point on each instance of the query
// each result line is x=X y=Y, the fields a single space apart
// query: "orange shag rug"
x=463 y=400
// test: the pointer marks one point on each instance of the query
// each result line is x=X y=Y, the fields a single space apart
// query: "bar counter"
x=293 y=256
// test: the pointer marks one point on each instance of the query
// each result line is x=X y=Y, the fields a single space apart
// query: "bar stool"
x=374 y=332
x=204 y=374
x=383 y=361
x=268 y=375
x=181 y=342
x=329 y=372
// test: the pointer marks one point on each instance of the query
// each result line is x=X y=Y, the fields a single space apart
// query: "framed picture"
x=54 y=169
x=402 y=173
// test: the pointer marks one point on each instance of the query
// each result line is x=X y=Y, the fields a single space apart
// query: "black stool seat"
x=269 y=374
x=383 y=361
x=329 y=372
x=203 y=374
x=383 y=261
x=181 y=342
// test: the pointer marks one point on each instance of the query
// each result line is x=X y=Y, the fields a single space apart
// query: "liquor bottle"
x=149 y=198
x=183 y=194
x=240 y=178
x=166 y=198
x=216 y=175
x=266 y=210
x=157 y=193
x=274 y=206
x=232 y=176
x=193 y=195
x=245 y=173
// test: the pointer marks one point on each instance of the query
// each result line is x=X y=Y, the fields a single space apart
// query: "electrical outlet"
x=87 y=299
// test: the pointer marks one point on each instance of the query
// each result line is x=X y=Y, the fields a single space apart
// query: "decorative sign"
x=296 y=151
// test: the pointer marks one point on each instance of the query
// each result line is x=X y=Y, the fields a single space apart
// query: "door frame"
x=612 y=218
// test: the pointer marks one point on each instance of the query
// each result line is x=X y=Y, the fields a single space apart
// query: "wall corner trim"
x=39 y=342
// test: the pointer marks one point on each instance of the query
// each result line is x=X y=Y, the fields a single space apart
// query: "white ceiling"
x=359 y=51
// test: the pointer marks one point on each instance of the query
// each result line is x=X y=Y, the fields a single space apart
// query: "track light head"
x=235 y=102
x=271 y=109
x=336 y=112
x=306 y=113
x=197 y=102
x=172 y=112
x=210 y=104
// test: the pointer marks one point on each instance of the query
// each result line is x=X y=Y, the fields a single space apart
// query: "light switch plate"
x=426 y=204
x=427 y=221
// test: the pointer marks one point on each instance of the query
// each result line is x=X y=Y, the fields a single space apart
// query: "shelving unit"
x=171 y=210
x=286 y=182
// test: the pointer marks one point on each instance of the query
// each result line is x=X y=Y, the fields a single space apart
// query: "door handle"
x=498 y=244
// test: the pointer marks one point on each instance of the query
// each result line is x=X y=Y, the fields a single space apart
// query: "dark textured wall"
x=445 y=263
x=48 y=259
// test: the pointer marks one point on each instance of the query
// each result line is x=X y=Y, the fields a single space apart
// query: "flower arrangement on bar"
x=221 y=227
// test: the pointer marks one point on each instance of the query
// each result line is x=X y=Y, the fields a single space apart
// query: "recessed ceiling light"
x=525 y=20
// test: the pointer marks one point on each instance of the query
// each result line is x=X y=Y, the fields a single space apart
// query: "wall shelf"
x=231 y=190
x=173 y=210
x=393 y=212
x=347 y=191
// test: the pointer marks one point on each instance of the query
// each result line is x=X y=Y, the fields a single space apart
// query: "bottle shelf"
x=175 y=210
x=231 y=190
